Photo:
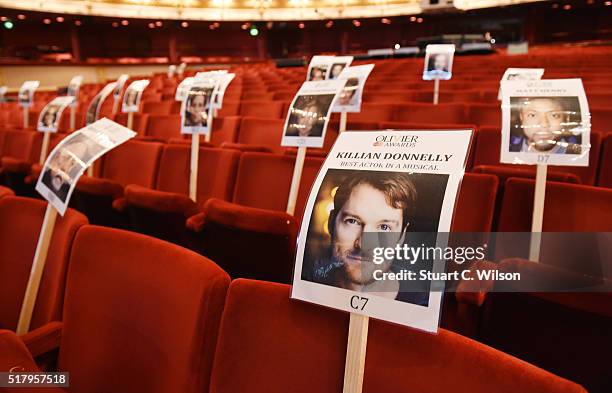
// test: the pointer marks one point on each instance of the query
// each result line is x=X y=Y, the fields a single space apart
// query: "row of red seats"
x=186 y=306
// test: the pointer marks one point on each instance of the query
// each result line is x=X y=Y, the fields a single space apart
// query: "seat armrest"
x=474 y=290
x=43 y=339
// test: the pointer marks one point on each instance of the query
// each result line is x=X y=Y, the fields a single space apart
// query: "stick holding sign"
x=361 y=200
x=57 y=181
x=196 y=119
x=438 y=66
x=544 y=122
x=306 y=125
x=117 y=91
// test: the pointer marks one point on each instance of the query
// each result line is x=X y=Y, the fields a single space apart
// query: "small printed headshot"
x=67 y=162
x=131 y=97
x=349 y=92
x=545 y=125
x=308 y=114
x=196 y=107
x=49 y=117
x=336 y=69
x=317 y=73
x=90 y=115
x=438 y=62
x=357 y=211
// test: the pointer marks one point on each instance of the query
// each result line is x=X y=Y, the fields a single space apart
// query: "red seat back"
x=156 y=306
x=133 y=162
x=429 y=113
x=157 y=107
x=164 y=127
x=475 y=203
x=294 y=336
x=261 y=132
x=20 y=223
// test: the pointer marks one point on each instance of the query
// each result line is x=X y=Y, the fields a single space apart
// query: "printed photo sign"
x=73 y=88
x=318 y=68
x=337 y=65
x=438 y=62
x=224 y=82
x=93 y=110
x=350 y=97
x=309 y=113
x=119 y=86
x=196 y=109
x=133 y=96
x=183 y=88
x=26 y=93
x=545 y=122
x=73 y=155
x=49 y=117
x=3 y=90
x=387 y=186
x=520 y=74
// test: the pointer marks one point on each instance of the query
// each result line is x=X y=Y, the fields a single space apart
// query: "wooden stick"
x=436 y=91
x=193 y=172
x=72 y=118
x=538 y=212
x=130 y=120
x=295 y=180
x=90 y=170
x=207 y=136
x=343 y=116
x=115 y=106
x=38 y=266
x=356 y=353
x=44 y=148
x=26 y=117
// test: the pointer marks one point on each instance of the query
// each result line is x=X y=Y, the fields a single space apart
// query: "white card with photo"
x=197 y=108
x=73 y=155
x=93 y=110
x=133 y=96
x=50 y=116
x=26 y=93
x=309 y=113
x=171 y=71
x=350 y=97
x=74 y=87
x=120 y=82
x=180 y=70
x=337 y=65
x=3 y=90
x=520 y=74
x=438 y=62
x=545 y=122
x=224 y=82
x=318 y=68
x=392 y=184
x=183 y=88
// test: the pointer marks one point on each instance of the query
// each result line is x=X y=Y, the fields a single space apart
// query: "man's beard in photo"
x=357 y=263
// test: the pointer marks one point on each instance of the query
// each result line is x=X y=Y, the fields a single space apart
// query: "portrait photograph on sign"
x=120 y=82
x=350 y=97
x=380 y=189
x=224 y=82
x=545 y=121
x=25 y=97
x=318 y=68
x=438 y=62
x=521 y=74
x=337 y=65
x=93 y=110
x=309 y=113
x=133 y=95
x=196 y=109
x=49 y=117
x=69 y=159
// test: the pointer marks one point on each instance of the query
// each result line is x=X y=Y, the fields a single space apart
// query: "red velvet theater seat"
x=141 y=315
x=429 y=113
x=133 y=162
x=258 y=133
x=256 y=218
x=4 y=192
x=157 y=107
x=162 y=211
x=475 y=203
x=485 y=114
x=601 y=120
x=261 y=322
x=20 y=223
x=163 y=127
x=139 y=124
x=263 y=109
